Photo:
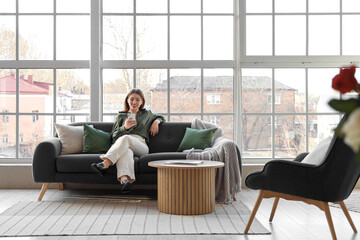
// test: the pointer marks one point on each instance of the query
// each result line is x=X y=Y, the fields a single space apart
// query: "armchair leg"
x=343 y=207
x=274 y=209
x=43 y=190
x=256 y=207
x=326 y=209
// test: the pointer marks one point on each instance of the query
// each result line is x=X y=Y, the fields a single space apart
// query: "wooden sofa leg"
x=343 y=207
x=43 y=190
x=61 y=186
x=274 y=209
x=234 y=197
x=256 y=207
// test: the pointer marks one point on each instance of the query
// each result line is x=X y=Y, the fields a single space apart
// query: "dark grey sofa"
x=51 y=167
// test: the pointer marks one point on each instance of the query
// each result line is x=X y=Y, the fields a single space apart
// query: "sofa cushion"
x=196 y=138
x=145 y=159
x=73 y=163
x=95 y=140
x=71 y=138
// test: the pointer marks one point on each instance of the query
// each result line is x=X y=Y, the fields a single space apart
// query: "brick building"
x=218 y=92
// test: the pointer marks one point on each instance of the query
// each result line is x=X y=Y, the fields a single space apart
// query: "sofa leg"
x=61 y=186
x=43 y=190
x=234 y=197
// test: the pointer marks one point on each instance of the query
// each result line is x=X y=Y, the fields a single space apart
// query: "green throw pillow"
x=196 y=138
x=95 y=140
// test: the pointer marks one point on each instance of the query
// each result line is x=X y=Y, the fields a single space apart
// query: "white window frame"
x=272 y=62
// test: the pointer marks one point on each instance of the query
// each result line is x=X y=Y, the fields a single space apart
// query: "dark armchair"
x=331 y=181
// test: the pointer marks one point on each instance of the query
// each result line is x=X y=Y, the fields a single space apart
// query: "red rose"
x=345 y=81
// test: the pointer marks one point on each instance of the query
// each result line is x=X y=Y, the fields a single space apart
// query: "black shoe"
x=125 y=186
x=98 y=168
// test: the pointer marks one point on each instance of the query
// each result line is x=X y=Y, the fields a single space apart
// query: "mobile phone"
x=132 y=116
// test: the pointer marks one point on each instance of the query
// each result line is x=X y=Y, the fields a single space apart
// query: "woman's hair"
x=138 y=92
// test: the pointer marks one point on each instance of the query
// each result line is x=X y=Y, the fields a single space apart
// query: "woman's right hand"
x=129 y=123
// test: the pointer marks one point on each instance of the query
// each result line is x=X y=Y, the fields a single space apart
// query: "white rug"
x=118 y=217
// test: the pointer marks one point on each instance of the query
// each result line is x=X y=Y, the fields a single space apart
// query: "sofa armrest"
x=44 y=160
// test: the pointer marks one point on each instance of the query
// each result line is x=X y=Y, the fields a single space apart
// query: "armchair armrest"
x=44 y=165
x=290 y=177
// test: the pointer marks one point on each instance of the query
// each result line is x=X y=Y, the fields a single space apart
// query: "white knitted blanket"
x=228 y=178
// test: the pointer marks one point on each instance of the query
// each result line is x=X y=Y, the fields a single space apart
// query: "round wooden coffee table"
x=187 y=189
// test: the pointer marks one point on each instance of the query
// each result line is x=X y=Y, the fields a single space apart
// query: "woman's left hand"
x=154 y=128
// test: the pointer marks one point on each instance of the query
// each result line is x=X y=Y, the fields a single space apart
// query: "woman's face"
x=134 y=102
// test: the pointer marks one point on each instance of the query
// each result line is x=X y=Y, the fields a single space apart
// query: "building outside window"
x=5 y=139
x=213 y=98
x=5 y=118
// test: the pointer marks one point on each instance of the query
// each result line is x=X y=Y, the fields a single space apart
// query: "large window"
x=39 y=85
x=260 y=69
x=290 y=53
x=178 y=52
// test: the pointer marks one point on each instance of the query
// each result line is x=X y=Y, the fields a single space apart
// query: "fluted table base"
x=186 y=191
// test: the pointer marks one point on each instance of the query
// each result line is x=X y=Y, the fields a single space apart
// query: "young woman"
x=130 y=135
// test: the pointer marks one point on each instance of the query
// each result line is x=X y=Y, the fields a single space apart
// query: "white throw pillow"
x=71 y=138
x=317 y=155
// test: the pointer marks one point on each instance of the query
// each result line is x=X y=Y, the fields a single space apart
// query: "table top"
x=186 y=164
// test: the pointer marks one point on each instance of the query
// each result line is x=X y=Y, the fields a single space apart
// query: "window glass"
x=350 y=5
x=73 y=37
x=33 y=132
x=154 y=85
x=185 y=6
x=116 y=85
x=116 y=6
x=118 y=38
x=258 y=35
x=321 y=127
x=351 y=36
x=185 y=38
x=36 y=90
x=183 y=118
x=151 y=37
x=256 y=136
x=290 y=40
x=226 y=122
x=8 y=137
x=324 y=35
x=324 y=6
x=70 y=6
x=66 y=119
x=73 y=91
x=8 y=38
x=256 y=90
x=294 y=6
x=36 y=6
x=259 y=6
x=7 y=6
x=151 y=6
x=218 y=6
x=218 y=91
x=320 y=91
x=8 y=90
x=218 y=38
x=37 y=34
x=289 y=135
x=290 y=90
x=185 y=91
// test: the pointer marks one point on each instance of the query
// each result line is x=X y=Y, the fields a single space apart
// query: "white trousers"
x=122 y=154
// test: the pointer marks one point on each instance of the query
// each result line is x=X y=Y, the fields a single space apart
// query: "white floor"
x=293 y=220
